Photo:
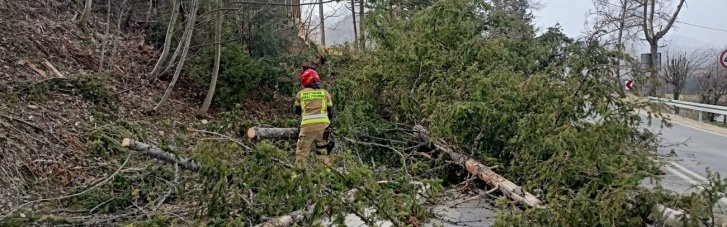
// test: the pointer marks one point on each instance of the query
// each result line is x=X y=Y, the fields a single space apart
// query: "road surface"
x=697 y=149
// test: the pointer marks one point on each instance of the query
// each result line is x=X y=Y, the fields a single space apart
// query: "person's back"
x=315 y=107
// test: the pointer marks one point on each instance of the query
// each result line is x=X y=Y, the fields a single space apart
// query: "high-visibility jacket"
x=314 y=104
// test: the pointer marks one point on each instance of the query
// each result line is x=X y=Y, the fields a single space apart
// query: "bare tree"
x=167 y=41
x=680 y=69
x=187 y=39
x=216 y=67
x=663 y=22
x=620 y=22
x=712 y=85
x=86 y=11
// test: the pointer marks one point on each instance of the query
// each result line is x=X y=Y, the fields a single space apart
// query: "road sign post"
x=723 y=59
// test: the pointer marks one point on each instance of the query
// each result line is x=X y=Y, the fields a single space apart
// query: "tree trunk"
x=652 y=68
x=272 y=133
x=106 y=37
x=189 y=30
x=159 y=154
x=172 y=60
x=482 y=172
x=116 y=37
x=289 y=219
x=362 y=41
x=323 y=23
x=476 y=168
x=167 y=41
x=148 y=12
x=216 y=67
x=86 y=11
x=355 y=30
x=675 y=95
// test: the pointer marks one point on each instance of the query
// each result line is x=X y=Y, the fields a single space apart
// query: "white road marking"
x=690 y=172
x=683 y=177
x=722 y=201
x=699 y=129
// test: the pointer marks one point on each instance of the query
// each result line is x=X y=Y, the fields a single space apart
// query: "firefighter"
x=315 y=107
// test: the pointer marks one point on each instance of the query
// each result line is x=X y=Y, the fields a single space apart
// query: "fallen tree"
x=472 y=166
x=508 y=188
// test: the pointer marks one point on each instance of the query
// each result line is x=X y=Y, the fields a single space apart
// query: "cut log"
x=508 y=188
x=159 y=154
x=255 y=133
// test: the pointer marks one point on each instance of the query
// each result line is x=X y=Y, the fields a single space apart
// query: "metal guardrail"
x=692 y=106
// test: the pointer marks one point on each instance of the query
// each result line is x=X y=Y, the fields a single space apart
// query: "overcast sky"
x=571 y=14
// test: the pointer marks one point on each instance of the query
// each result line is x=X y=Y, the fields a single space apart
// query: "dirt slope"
x=47 y=122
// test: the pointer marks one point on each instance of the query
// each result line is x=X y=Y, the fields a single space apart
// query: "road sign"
x=629 y=85
x=723 y=59
x=646 y=61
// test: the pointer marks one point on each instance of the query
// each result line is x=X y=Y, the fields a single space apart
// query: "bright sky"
x=571 y=14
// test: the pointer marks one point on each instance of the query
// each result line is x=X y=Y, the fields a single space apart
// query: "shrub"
x=241 y=76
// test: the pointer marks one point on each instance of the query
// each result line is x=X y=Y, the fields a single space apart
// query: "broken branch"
x=159 y=154
x=507 y=187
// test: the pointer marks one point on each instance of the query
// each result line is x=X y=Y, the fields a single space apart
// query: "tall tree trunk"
x=355 y=30
x=148 y=12
x=188 y=31
x=323 y=23
x=173 y=59
x=167 y=41
x=118 y=34
x=362 y=41
x=216 y=67
x=86 y=11
x=652 y=36
x=106 y=38
x=653 y=68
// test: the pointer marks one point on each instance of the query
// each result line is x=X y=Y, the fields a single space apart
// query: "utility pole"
x=323 y=24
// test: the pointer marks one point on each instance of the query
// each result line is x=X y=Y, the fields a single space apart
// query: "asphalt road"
x=690 y=151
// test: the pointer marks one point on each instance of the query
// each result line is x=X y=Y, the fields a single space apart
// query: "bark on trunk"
x=355 y=26
x=362 y=42
x=159 y=154
x=118 y=34
x=172 y=60
x=189 y=30
x=290 y=219
x=653 y=69
x=86 y=11
x=272 y=133
x=106 y=38
x=508 y=188
x=167 y=41
x=216 y=67
x=323 y=23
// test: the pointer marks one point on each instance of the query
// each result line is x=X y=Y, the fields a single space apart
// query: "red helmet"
x=308 y=77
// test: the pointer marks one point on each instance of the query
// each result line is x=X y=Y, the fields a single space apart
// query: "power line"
x=700 y=26
x=678 y=21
